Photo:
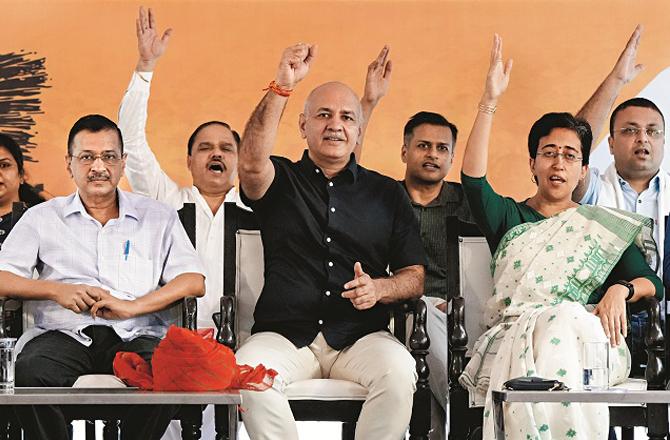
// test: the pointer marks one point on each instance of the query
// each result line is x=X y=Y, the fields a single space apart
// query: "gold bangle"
x=488 y=109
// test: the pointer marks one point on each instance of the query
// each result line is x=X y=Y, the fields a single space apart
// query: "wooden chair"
x=317 y=399
x=475 y=287
x=12 y=322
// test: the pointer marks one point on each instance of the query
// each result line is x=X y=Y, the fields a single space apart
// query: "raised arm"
x=149 y=42
x=475 y=157
x=599 y=105
x=255 y=168
x=143 y=170
x=377 y=83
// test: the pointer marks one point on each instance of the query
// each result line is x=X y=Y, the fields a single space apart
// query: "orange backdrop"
x=223 y=53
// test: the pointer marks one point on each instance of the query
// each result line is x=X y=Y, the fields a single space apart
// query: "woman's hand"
x=612 y=313
x=498 y=75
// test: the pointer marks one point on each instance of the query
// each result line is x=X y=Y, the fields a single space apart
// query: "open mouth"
x=333 y=139
x=642 y=152
x=216 y=167
x=556 y=179
x=430 y=166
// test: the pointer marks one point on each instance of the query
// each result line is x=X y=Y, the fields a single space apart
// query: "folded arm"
x=186 y=284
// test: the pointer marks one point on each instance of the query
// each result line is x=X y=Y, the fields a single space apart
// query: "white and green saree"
x=544 y=273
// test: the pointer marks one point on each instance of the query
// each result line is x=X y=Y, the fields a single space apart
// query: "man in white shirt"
x=110 y=264
x=635 y=181
x=211 y=157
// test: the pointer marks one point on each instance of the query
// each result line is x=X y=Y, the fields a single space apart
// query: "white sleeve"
x=143 y=171
x=19 y=254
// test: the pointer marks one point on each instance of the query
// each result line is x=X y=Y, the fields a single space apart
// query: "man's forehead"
x=103 y=140
x=334 y=97
x=641 y=116
x=433 y=133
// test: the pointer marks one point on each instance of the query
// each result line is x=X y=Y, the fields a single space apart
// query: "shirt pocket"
x=136 y=275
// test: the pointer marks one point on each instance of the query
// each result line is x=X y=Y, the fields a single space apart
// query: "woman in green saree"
x=551 y=256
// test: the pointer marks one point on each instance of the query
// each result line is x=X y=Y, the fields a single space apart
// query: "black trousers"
x=54 y=359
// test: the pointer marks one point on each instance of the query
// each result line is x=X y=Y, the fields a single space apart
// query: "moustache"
x=98 y=177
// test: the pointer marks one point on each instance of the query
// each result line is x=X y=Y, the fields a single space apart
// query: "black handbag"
x=534 y=384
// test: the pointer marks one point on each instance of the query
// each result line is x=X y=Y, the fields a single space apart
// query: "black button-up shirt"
x=314 y=230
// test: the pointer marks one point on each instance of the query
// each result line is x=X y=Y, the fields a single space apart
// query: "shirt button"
x=328 y=240
x=332 y=209
x=316 y=170
x=330 y=183
x=639 y=201
x=320 y=321
x=330 y=264
x=327 y=292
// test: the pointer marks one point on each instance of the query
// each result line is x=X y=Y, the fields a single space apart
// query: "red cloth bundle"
x=187 y=361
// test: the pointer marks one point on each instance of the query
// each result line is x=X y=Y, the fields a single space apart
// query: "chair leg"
x=225 y=421
x=657 y=421
x=348 y=430
x=627 y=433
x=111 y=430
x=191 y=422
x=90 y=429
x=14 y=431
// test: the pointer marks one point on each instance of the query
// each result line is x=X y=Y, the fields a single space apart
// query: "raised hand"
x=78 y=297
x=498 y=75
x=362 y=290
x=625 y=69
x=378 y=78
x=149 y=42
x=294 y=65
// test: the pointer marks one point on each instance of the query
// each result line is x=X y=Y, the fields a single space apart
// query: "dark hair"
x=10 y=145
x=429 y=118
x=94 y=124
x=634 y=102
x=191 y=139
x=27 y=193
x=543 y=126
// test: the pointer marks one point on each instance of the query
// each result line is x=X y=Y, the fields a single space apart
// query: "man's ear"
x=610 y=141
x=68 y=164
x=403 y=153
x=302 y=119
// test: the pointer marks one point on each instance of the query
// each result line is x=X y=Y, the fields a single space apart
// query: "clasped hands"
x=82 y=297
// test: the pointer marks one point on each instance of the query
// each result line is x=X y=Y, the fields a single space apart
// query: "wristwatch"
x=630 y=286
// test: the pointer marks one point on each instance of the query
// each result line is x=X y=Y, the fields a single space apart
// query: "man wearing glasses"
x=109 y=264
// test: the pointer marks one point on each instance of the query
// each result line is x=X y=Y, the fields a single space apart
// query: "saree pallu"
x=543 y=275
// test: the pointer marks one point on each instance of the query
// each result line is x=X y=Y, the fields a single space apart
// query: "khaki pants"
x=377 y=361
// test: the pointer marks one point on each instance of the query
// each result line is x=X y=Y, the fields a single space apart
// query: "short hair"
x=543 y=126
x=191 y=139
x=9 y=144
x=634 y=102
x=429 y=118
x=94 y=124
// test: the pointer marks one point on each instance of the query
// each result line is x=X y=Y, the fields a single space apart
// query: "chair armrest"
x=190 y=313
x=458 y=339
x=654 y=341
x=225 y=322
x=418 y=340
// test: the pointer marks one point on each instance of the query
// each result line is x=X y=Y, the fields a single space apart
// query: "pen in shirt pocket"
x=126 y=250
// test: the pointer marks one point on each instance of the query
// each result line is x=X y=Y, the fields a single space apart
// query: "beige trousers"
x=377 y=361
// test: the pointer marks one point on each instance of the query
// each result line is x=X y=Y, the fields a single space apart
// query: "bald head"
x=333 y=92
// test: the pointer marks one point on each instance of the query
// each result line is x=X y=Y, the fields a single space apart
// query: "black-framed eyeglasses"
x=653 y=133
x=568 y=157
x=109 y=158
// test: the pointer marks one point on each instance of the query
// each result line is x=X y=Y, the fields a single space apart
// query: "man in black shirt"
x=428 y=151
x=331 y=231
